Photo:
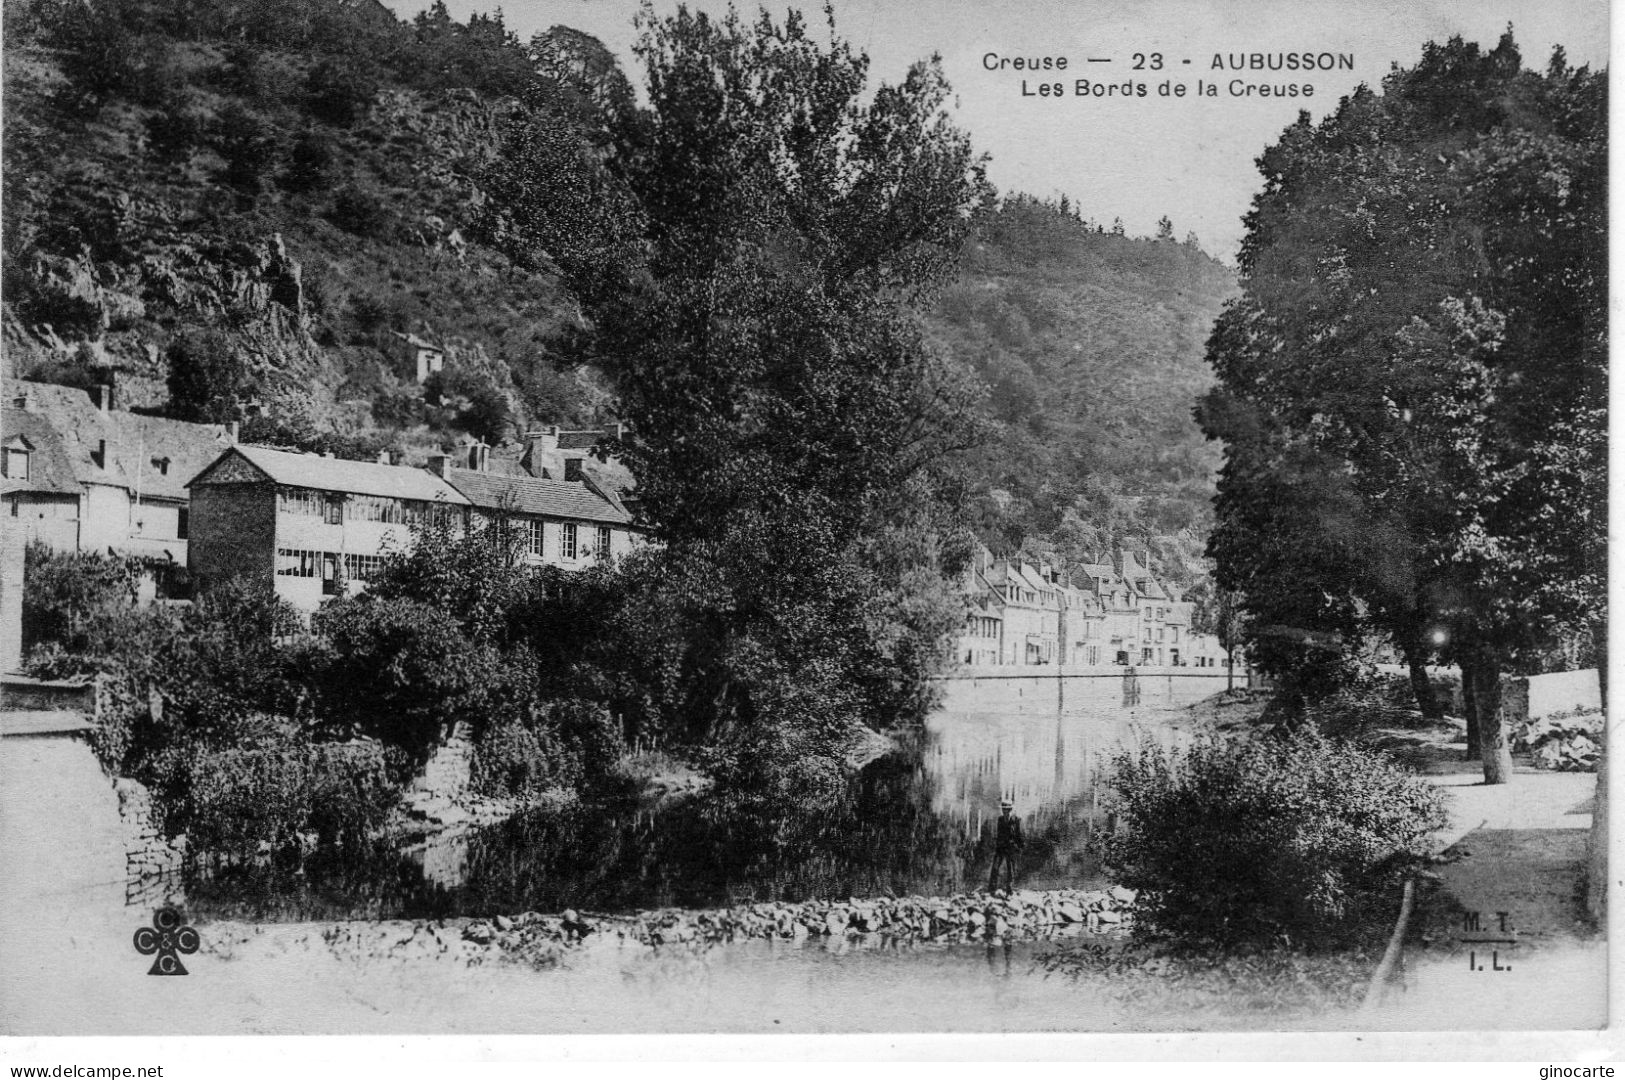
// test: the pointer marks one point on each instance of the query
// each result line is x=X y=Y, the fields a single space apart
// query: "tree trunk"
x=1229 y=670
x=1492 y=736
x=1422 y=686
x=1469 y=705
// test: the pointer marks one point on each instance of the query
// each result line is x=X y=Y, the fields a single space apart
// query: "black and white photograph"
x=599 y=518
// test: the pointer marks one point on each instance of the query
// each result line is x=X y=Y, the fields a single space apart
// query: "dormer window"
x=14 y=458
x=161 y=464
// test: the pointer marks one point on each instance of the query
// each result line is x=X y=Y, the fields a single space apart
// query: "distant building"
x=423 y=357
x=1108 y=612
x=80 y=474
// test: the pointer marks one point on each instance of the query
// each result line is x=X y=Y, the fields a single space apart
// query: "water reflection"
x=917 y=821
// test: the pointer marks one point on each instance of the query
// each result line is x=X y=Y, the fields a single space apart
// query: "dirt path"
x=1502 y=940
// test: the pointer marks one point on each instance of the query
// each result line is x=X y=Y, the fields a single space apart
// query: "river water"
x=917 y=821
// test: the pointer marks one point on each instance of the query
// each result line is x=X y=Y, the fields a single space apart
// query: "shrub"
x=338 y=94
x=397 y=670
x=67 y=593
x=518 y=760
x=360 y=213
x=1265 y=841
x=310 y=163
x=174 y=134
x=238 y=799
x=247 y=143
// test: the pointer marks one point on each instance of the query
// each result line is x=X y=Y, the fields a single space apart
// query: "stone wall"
x=18 y=693
x=1562 y=691
x=11 y=599
x=152 y=863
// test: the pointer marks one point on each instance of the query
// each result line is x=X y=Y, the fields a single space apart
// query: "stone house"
x=421 y=356
x=316 y=527
x=81 y=474
x=310 y=526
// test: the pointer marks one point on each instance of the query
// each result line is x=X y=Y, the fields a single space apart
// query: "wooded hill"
x=233 y=202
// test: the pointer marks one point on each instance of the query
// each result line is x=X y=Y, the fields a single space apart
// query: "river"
x=913 y=822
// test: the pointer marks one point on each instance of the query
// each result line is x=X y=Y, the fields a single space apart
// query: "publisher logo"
x=168 y=937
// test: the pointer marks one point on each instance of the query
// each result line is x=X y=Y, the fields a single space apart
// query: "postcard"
x=594 y=519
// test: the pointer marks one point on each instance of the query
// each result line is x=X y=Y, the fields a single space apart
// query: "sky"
x=1190 y=158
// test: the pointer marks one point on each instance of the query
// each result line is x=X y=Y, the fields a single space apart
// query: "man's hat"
x=1007 y=804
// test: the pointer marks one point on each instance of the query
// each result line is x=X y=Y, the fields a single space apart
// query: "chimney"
x=233 y=431
x=479 y=457
x=99 y=455
x=102 y=397
x=24 y=401
x=572 y=470
x=440 y=464
x=327 y=454
x=383 y=458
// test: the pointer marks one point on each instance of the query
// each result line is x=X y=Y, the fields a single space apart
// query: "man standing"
x=1007 y=840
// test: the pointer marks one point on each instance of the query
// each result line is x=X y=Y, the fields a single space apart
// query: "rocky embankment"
x=967 y=917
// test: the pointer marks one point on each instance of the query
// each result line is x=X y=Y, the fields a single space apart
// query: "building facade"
x=317 y=527
x=80 y=474
x=1111 y=612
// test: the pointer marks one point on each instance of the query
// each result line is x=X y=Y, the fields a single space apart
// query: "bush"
x=1265 y=841
x=398 y=670
x=247 y=143
x=238 y=799
x=66 y=595
x=310 y=163
x=360 y=213
x=338 y=94
x=516 y=760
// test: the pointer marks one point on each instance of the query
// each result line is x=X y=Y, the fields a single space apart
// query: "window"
x=1173 y=632
x=335 y=510
x=183 y=523
x=15 y=463
x=363 y=567
x=1147 y=633
x=293 y=562
x=601 y=550
x=535 y=534
x=299 y=501
x=567 y=541
x=376 y=508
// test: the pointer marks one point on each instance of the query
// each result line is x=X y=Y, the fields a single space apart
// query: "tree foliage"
x=1412 y=383
x=760 y=231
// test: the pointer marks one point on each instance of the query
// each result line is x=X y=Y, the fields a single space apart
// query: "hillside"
x=269 y=214
x=240 y=208
x=1092 y=347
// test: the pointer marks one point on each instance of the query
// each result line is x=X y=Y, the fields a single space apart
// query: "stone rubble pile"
x=967 y=917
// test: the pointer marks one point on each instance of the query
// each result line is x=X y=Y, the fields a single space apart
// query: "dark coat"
x=1007 y=835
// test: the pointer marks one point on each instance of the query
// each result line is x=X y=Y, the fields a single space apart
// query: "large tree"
x=770 y=225
x=1423 y=319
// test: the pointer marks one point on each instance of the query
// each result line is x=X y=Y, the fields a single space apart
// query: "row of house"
x=79 y=474
x=1111 y=611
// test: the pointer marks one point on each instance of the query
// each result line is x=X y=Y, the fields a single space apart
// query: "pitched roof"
x=134 y=443
x=350 y=477
x=48 y=468
x=531 y=495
